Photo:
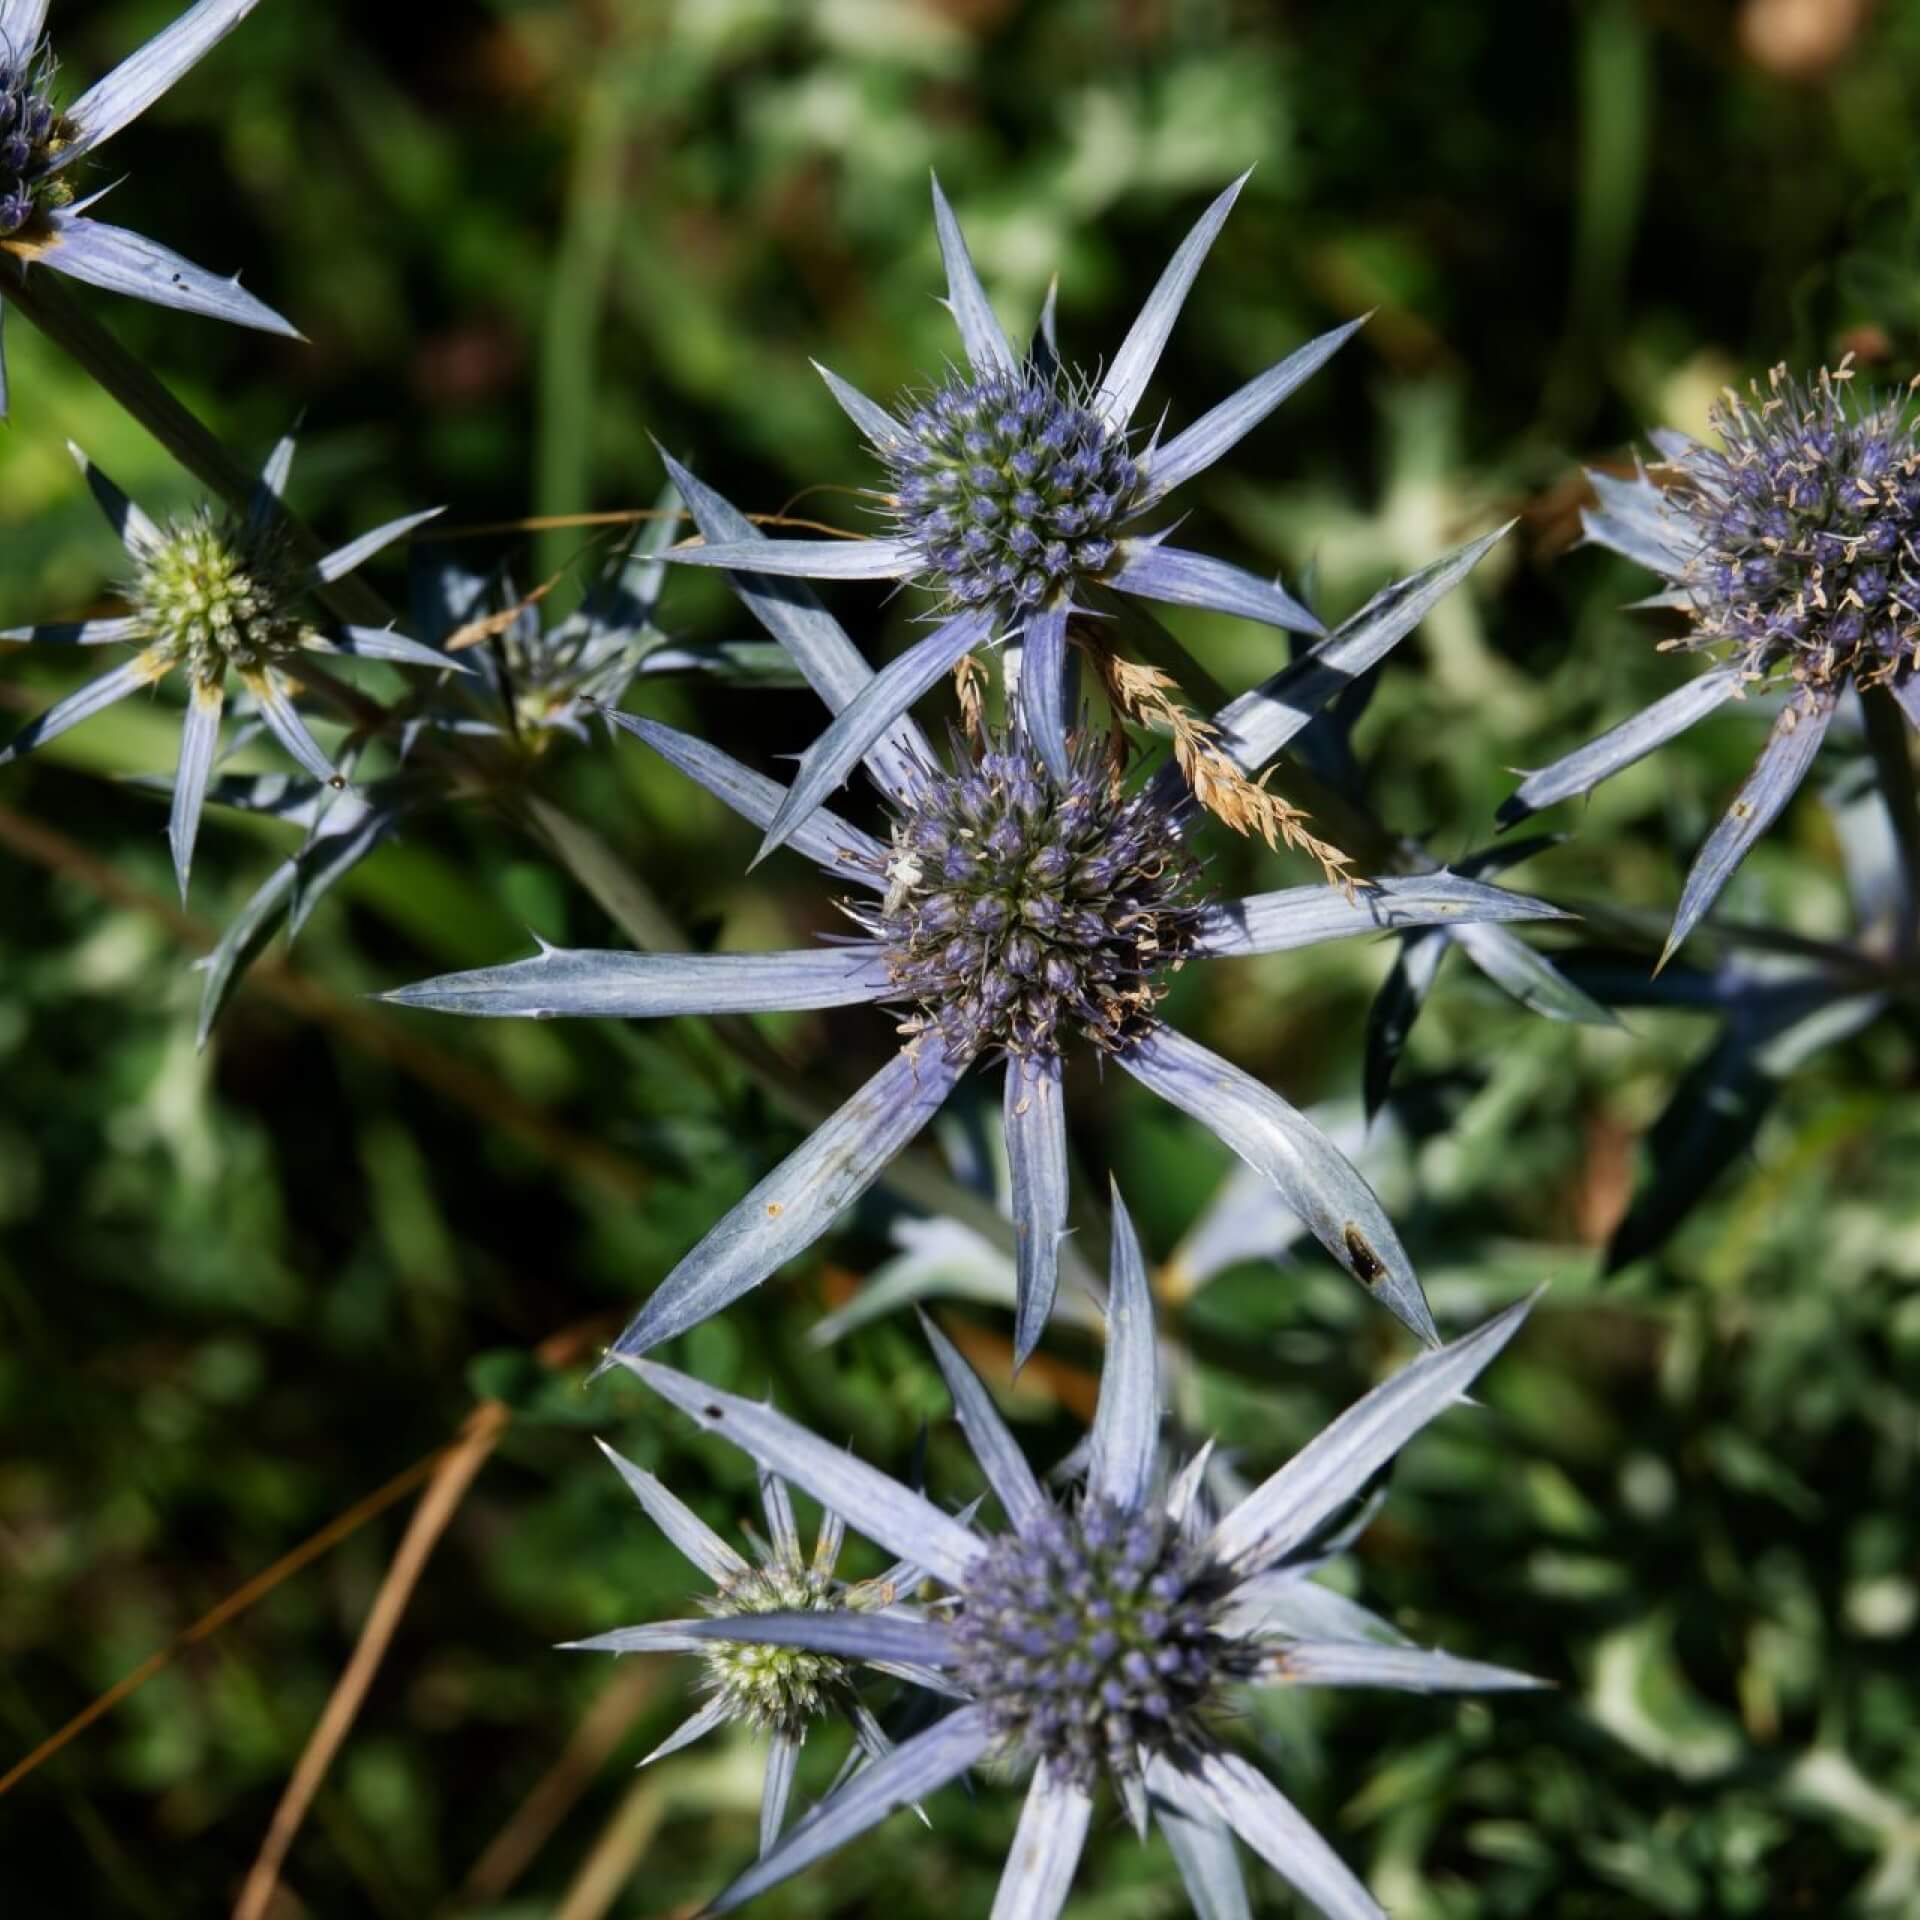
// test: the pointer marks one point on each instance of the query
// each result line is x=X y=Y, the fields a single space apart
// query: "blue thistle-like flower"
x=1791 y=548
x=534 y=681
x=1018 y=485
x=779 y=1692
x=1013 y=910
x=213 y=594
x=32 y=132
x=1797 y=532
x=42 y=224
x=1017 y=910
x=1011 y=486
x=1093 y=1636
x=1106 y=1636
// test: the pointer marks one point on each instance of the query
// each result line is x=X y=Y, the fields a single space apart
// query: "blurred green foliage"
x=241 y=1290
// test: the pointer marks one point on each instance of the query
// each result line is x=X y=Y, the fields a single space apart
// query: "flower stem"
x=1887 y=739
x=52 y=308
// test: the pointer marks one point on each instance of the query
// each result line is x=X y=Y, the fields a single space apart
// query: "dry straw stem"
x=557 y=1350
x=453 y=1473
x=1248 y=806
x=488 y=626
x=608 y=1870
x=970 y=689
x=210 y=1622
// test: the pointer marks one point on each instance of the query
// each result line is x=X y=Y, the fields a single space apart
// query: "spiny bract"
x=44 y=149
x=1791 y=548
x=1096 y=1638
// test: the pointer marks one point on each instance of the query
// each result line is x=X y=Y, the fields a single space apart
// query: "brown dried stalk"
x=1151 y=698
x=970 y=688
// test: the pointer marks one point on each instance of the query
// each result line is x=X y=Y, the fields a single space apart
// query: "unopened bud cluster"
x=1019 y=910
x=32 y=131
x=1089 y=1637
x=216 y=595
x=1799 y=531
x=777 y=1689
x=1011 y=487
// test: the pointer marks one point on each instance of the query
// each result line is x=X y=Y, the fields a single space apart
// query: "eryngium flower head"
x=213 y=593
x=32 y=132
x=40 y=141
x=217 y=593
x=1019 y=485
x=780 y=1692
x=1008 y=840
x=1107 y=1637
x=1790 y=548
x=1019 y=909
x=536 y=680
x=773 y=1689
x=1093 y=1636
x=1798 y=530
x=1011 y=486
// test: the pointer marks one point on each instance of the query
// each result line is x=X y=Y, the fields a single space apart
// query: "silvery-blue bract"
x=1327 y=750
x=41 y=221
x=1790 y=548
x=1104 y=1637
x=777 y=1691
x=534 y=680
x=1019 y=486
x=1009 y=910
x=213 y=594
x=944 y=1257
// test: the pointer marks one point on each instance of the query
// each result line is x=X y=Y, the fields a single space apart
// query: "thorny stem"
x=620 y=892
x=1888 y=740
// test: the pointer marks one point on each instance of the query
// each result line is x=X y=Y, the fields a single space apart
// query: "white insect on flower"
x=904 y=873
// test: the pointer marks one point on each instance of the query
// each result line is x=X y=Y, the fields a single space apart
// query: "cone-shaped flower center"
x=775 y=1689
x=1011 y=486
x=217 y=596
x=1801 y=530
x=1017 y=907
x=1090 y=1637
x=32 y=131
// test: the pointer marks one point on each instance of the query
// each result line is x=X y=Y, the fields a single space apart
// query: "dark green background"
x=241 y=1290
